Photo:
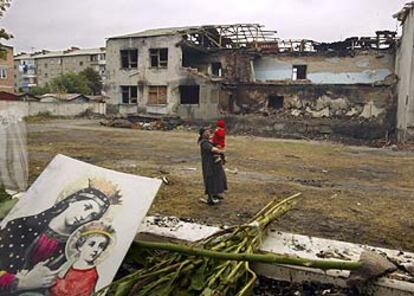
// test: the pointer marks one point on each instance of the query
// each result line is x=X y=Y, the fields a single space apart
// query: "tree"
x=39 y=90
x=4 y=4
x=93 y=79
x=70 y=83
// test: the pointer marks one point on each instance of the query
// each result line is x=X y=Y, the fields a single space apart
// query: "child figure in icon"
x=84 y=250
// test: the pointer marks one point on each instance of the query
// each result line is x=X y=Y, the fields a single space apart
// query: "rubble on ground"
x=269 y=287
x=141 y=122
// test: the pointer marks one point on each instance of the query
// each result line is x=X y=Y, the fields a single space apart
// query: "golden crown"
x=108 y=188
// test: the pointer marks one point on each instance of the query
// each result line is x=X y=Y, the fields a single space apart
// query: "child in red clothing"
x=219 y=140
x=85 y=249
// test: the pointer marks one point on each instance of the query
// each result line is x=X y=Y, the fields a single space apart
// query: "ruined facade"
x=39 y=68
x=147 y=72
x=405 y=73
x=205 y=72
x=347 y=92
x=7 y=70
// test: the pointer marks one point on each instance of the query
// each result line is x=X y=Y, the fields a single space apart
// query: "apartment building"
x=39 y=68
x=7 y=70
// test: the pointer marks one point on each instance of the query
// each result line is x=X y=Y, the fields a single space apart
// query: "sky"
x=59 y=24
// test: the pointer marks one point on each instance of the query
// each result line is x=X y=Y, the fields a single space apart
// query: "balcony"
x=28 y=72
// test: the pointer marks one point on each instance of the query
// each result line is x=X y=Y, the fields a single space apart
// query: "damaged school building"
x=294 y=87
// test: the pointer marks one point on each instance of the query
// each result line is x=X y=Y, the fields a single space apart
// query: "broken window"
x=129 y=94
x=216 y=69
x=159 y=57
x=157 y=95
x=299 y=72
x=275 y=102
x=189 y=94
x=129 y=58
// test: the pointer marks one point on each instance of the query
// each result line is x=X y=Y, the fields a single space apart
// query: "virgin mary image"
x=33 y=248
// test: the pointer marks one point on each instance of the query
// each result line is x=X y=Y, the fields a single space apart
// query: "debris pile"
x=164 y=123
x=269 y=287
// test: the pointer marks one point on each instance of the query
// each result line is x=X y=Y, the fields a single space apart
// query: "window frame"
x=128 y=89
x=189 y=102
x=158 y=92
x=160 y=55
x=296 y=71
x=3 y=73
x=128 y=54
x=217 y=69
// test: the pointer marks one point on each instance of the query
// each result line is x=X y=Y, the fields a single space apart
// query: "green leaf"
x=207 y=292
x=6 y=206
x=199 y=278
x=182 y=292
x=124 y=288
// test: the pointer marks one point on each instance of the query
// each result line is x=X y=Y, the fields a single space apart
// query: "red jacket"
x=219 y=138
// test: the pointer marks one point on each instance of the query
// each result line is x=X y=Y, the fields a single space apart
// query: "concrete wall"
x=7 y=84
x=55 y=109
x=365 y=67
x=144 y=76
x=405 y=87
x=47 y=69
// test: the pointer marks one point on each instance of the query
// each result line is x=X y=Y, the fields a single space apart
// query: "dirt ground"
x=355 y=194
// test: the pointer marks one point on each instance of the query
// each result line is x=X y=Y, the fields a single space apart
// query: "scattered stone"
x=120 y=123
x=269 y=287
x=296 y=112
x=145 y=122
x=318 y=114
x=163 y=171
x=370 y=110
x=352 y=112
x=234 y=171
x=374 y=266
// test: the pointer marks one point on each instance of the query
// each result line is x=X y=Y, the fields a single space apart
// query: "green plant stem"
x=264 y=258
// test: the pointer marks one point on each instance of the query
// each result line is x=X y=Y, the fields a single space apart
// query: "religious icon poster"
x=72 y=229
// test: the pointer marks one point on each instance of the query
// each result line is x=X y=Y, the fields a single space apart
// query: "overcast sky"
x=58 y=24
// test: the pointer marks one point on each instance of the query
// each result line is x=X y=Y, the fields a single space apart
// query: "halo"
x=70 y=248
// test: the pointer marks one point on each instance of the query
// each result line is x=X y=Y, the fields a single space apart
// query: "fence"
x=55 y=109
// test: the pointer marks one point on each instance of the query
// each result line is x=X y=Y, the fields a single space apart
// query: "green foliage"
x=206 y=267
x=93 y=79
x=39 y=117
x=6 y=202
x=40 y=90
x=3 y=194
x=87 y=82
x=4 y=4
x=70 y=83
